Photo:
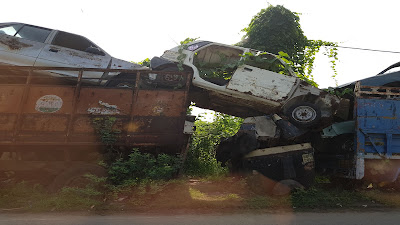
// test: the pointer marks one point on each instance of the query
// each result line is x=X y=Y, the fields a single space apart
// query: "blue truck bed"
x=377 y=128
x=367 y=147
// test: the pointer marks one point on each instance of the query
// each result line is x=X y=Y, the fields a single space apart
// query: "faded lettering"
x=48 y=104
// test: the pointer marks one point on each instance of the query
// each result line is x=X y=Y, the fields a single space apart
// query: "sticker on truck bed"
x=307 y=158
x=48 y=104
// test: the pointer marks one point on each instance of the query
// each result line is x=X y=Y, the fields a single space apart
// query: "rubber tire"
x=290 y=111
x=67 y=177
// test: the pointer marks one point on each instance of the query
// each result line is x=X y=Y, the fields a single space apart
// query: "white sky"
x=135 y=30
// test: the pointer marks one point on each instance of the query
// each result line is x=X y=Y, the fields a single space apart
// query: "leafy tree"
x=277 y=29
x=145 y=62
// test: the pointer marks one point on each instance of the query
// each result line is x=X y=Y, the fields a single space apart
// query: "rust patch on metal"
x=14 y=44
x=86 y=56
x=389 y=118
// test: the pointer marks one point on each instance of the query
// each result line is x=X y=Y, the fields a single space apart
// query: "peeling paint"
x=48 y=104
x=107 y=109
x=159 y=108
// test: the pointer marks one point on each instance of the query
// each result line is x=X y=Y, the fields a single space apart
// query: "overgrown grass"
x=35 y=198
x=317 y=197
x=185 y=194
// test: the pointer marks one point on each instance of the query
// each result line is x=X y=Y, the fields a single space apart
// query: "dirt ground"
x=235 y=194
x=187 y=195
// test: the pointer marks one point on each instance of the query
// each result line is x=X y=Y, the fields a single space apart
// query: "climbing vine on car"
x=228 y=65
x=183 y=45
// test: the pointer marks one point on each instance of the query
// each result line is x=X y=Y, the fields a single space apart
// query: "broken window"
x=266 y=61
x=33 y=33
x=10 y=30
x=75 y=42
x=217 y=63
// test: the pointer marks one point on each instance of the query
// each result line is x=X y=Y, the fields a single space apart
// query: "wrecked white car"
x=245 y=82
x=28 y=45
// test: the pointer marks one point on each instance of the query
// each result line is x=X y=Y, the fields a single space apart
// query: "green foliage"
x=141 y=166
x=225 y=68
x=340 y=93
x=182 y=56
x=145 y=62
x=35 y=198
x=201 y=156
x=138 y=166
x=277 y=29
x=316 y=197
x=104 y=127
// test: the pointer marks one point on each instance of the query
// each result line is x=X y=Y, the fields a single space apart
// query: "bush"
x=143 y=166
x=201 y=160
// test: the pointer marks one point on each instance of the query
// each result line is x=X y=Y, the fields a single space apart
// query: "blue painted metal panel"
x=378 y=126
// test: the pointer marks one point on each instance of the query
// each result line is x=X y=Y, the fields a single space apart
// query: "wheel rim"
x=304 y=114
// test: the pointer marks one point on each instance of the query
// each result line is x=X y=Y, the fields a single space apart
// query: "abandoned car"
x=28 y=45
x=245 y=82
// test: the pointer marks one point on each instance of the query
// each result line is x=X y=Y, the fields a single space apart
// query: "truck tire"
x=75 y=176
x=304 y=114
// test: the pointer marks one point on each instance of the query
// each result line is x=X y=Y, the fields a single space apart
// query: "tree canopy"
x=277 y=29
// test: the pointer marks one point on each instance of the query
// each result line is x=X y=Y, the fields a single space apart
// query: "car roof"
x=380 y=80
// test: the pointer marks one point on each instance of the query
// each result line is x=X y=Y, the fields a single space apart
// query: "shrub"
x=143 y=166
x=201 y=160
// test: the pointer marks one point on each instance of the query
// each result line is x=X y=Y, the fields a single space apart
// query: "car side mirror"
x=95 y=51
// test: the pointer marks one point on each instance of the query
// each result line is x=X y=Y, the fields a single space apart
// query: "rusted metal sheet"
x=36 y=112
x=97 y=101
x=10 y=97
x=160 y=103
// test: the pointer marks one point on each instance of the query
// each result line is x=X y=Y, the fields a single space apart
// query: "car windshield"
x=10 y=29
x=32 y=33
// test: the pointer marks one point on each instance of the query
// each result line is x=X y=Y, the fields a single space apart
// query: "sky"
x=135 y=30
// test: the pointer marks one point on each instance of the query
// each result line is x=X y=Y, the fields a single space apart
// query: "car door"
x=262 y=83
x=225 y=70
x=21 y=44
x=70 y=50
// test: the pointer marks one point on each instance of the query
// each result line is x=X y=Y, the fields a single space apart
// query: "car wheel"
x=304 y=114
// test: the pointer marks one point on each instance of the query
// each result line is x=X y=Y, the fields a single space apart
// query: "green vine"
x=182 y=56
x=103 y=126
x=340 y=93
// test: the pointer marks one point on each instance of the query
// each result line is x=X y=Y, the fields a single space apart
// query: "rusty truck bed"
x=40 y=111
